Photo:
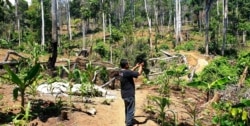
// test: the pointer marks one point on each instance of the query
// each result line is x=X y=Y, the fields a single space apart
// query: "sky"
x=13 y=1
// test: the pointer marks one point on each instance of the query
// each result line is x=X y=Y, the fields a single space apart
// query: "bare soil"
x=108 y=115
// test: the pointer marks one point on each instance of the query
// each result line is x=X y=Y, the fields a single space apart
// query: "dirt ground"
x=113 y=114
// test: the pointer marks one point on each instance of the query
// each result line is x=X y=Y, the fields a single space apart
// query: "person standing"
x=128 y=88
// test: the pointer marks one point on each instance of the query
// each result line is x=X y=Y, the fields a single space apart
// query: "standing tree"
x=149 y=26
x=177 y=22
x=18 y=22
x=208 y=6
x=103 y=22
x=225 y=11
x=68 y=18
x=43 y=24
x=54 y=42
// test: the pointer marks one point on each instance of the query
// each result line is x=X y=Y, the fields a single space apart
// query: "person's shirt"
x=127 y=82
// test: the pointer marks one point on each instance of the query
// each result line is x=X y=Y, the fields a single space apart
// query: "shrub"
x=163 y=46
x=116 y=34
x=188 y=46
x=220 y=67
x=4 y=44
x=101 y=49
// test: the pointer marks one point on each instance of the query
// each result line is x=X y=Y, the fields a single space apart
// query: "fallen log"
x=166 y=53
x=13 y=53
x=9 y=63
x=110 y=81
x=164 y=58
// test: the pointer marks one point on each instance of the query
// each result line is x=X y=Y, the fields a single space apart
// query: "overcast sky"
x=13 y=1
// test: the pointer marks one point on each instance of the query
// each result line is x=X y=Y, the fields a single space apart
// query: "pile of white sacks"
x=62 y=89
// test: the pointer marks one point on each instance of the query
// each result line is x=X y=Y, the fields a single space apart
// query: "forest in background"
x=220 y=25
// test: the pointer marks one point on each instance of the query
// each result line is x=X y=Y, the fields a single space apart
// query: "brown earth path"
x=107 y=115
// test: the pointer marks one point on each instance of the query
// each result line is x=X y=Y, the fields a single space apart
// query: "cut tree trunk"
x=243 y=77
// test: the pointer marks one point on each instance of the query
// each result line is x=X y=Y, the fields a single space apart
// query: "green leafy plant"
x=116 y=34
x=33 y=87
x=5 y=44
x=24 y=117
x=178 y=72
x=188 y=46
x=90 y=71
x=159 y=107
x=70 y=80
x=232 y=115
x=23 y=83
x=220 y=67
x=103 y=72
x=192 y=109
x=163 y=81
x=164 y=46
x=101 y=49
x=208 y=87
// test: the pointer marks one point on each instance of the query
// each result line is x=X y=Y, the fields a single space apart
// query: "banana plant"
x=208 y=87
x=22 y=82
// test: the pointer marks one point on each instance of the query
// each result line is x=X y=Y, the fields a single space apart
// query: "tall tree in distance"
x=149 y=25
x=43 y=25
x=54 y=42
x=177 y=22
x=208 y=6
x=103 y=22
x=68 y=18
x=18 y=22
x=225 y=11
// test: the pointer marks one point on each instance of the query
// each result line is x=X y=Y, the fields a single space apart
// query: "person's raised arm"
x=136 y=66
x=140 y=68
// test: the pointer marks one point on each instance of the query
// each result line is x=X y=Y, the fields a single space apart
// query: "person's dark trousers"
x=129 y=110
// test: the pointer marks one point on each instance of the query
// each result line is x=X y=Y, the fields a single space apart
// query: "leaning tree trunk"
x=54 y=42
x=225 y=3
x=43 y=25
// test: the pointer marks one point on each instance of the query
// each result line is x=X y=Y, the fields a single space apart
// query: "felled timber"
x=6 y=59
x=13 y=53
x=168 y=57
x=166 y=53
